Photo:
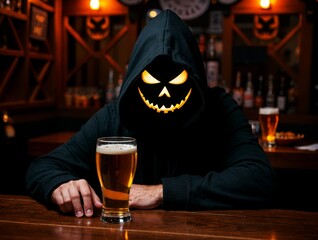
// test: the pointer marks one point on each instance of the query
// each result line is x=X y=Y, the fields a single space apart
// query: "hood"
x=165 y=48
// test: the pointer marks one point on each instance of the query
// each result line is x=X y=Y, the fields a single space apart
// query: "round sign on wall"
x=130 y=2
x=186 y=9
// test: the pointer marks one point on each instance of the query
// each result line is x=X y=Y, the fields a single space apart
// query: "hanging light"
x=152 y=13
x=265 y=4
x=94 y=4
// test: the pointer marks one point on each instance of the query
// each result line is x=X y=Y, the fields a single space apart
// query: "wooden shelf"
x=43 y=5
x=12 y=52
x=44 y=56
x=13 y=14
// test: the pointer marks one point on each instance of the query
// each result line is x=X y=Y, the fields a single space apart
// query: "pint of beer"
x=268 y=118
x=116 y=161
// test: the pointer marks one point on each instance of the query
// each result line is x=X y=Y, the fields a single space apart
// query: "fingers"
x=85 y=191
x=96 y=200
x=62 y=199
x=77 y=196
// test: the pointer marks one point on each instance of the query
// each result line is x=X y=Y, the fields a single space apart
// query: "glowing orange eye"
x=181 y=78
x=147 y=78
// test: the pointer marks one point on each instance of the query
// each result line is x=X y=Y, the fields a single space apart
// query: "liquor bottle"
x=3 y=39
x=237 y=92
x=212 y=63
x=119 y=84
x=102 y=92
x=270 y=94
x=291 y=97
x=19 y=6
x=96 y=98
x=7 y=4
x=7 y=127
x=248 y=95
x=69 y=97
x=282 y=96
x=259 y=97
x=223 y=84
x=202 y=44
x=110 y=91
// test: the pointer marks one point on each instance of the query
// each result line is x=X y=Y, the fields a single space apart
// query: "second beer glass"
x=116 y=161
x=268 y=118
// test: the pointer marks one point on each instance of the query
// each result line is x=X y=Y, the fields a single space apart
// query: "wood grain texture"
x=23 y=218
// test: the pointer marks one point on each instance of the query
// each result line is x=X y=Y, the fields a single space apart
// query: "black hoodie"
x=203 y=153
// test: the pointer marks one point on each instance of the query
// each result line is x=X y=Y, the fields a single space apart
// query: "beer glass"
x=116 y=161
x=268 y=118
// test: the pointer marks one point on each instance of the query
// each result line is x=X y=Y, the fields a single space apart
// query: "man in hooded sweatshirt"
x=195 y=146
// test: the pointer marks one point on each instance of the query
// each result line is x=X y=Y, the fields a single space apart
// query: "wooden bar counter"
x=281 y=156
x=290 y=157
x=23 y=218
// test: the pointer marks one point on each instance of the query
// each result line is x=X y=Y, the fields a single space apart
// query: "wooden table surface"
x=281 y=156
x=290 y=157
x=23 y=218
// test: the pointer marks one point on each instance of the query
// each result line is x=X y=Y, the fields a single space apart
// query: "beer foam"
x=268 y=110
x=113 y=149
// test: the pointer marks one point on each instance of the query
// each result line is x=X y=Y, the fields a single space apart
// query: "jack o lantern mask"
x=162 y=98
x=164 y=87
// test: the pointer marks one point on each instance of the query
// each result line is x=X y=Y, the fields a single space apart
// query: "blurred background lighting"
x=94 y=4
x=152 y=13
x=265 y=4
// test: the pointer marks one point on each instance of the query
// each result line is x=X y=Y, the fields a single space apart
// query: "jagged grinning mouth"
x=163 y=108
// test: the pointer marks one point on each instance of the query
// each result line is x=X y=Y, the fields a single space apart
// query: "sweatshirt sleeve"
x=246 y=179
x=71 y=161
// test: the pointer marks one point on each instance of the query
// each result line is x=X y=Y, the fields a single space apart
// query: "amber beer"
x=116 y=161
x=268 y=118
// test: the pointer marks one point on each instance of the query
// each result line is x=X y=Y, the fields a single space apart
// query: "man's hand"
x=145 y=196
x=77 y=196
